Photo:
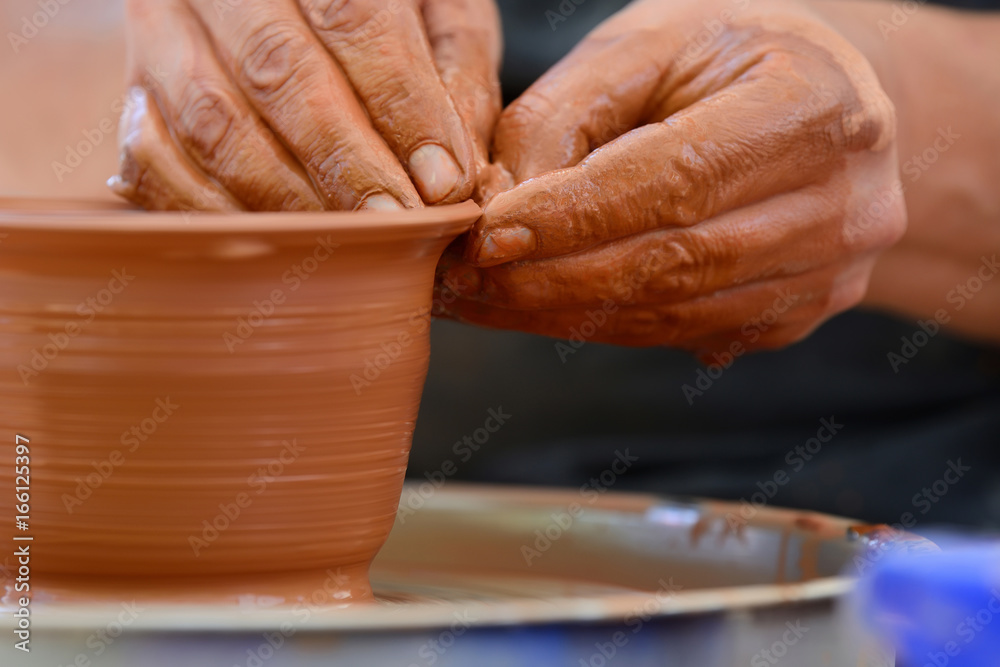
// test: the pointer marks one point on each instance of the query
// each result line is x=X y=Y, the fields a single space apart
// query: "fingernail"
x=380 y=202
x=120 y=186
x=435 y=172
x=506 y=244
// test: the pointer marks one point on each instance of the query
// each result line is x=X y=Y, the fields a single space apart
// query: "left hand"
x=673 y=192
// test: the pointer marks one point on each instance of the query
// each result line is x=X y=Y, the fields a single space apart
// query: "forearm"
x=940 y=69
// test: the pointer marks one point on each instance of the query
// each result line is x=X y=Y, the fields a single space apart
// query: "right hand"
x=688 y=185
x=307 y=105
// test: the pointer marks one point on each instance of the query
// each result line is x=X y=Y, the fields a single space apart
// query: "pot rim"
x=34 y=214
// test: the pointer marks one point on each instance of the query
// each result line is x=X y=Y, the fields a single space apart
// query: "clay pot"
x=223 y=400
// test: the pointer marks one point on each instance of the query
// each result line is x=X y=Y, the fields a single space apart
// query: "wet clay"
x=213 y=401
x=220 y=128
x=669 y=184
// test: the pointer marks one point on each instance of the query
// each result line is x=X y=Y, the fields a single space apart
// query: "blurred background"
x=851 y=434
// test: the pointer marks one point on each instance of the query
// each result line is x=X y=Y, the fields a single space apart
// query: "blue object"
x=939 y=609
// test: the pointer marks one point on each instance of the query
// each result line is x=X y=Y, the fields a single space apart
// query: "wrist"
x=935 y=65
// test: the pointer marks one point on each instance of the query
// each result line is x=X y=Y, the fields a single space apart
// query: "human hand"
x=307 y=105
x=695 y=174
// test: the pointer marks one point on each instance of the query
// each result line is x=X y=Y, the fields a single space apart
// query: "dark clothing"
x=830 y=417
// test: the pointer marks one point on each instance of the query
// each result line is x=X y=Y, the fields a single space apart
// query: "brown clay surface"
x=224 y=399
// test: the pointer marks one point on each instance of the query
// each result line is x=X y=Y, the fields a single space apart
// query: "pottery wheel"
x=506 y=555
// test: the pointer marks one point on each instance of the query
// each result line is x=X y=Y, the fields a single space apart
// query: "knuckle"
x=337 y=16
x=390 y=99
x=271 y=55
x=141 y=186
x=677 y=267
x=687 y=203
x=206 y=120
x=859 y=114
x=873 y=127
x=666 y=322
x=531 y=111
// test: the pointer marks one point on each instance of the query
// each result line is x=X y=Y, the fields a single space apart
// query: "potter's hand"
x=693 y=174
x=335 y=104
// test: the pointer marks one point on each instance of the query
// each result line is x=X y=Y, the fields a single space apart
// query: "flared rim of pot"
x=101 y=216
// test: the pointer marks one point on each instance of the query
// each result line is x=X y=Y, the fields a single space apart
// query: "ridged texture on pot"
x=211 y=403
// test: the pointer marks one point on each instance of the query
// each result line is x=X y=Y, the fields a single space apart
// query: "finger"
x=211 y=120
x=785 y=236
x=383 y=49
x=154 y=173
x=751 y=310
x=766 y=332
x=757 y=138
x=303 y=96
x=577 y=106
x=465 y=38
x=608 y=84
